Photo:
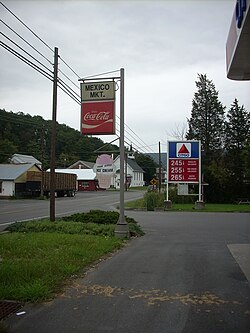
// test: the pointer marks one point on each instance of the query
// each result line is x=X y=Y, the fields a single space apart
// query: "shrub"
x=94 y=216
x=182 y=199
x=95 y=222
x=153 y=199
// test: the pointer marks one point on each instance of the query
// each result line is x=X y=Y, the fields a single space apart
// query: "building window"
x=1 y=187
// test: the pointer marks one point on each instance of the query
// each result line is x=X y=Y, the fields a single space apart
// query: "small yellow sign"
x=153 y=181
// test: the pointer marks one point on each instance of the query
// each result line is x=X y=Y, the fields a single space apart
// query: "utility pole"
x=121 y=229
x=53 y=139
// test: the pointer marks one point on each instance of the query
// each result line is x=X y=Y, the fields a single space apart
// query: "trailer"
x=38 y=183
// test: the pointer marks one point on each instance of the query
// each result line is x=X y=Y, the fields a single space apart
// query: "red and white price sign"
x=183 y=170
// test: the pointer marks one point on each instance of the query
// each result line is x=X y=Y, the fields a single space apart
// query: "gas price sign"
x=183 y=162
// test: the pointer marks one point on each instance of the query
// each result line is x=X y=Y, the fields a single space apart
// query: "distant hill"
x=30 y=135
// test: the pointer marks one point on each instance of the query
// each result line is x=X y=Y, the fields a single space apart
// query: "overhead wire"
x=62 y=85
x=28 y=62
x=24 y=40
x=9 y=39
x=100 y=74
x=129 y=142
x=139 y=142
x=41 y=40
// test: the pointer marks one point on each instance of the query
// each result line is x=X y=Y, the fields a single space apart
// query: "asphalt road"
x=20 y=210
x=180 y=277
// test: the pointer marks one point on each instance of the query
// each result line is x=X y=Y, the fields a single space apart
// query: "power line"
x=62 y=85
x=68 y=91
x=27 y=27
x=36 y=59
x=39 y=39
x=105 y=73
x=129 y=142
x=28 y=62
x=9 y=39
x=140 y=143
x=17 y=34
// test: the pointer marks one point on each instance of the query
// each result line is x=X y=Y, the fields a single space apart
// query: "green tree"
x=207 y=118
x=7 y=149
x=147 y=164
x=237 y=127
x=237 y=140
x=32 y=136
x=206 y=124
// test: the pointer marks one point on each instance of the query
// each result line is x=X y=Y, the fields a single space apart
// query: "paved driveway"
x=181 y=276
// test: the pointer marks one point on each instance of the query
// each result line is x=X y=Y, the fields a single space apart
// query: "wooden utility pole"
x=53 y=139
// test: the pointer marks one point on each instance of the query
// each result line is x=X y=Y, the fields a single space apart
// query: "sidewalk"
x=179 y=277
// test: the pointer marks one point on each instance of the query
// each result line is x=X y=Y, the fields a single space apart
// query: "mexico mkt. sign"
x=98 y=107
x=184 y=162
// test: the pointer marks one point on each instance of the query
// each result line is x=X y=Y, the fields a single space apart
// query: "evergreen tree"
x=237 y=146
x=207 y=125
x=147 y=164
x=207 y=118
x=237 y=127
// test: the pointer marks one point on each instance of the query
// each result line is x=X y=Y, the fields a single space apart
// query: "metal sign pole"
x=200 y=176
x=121 y=229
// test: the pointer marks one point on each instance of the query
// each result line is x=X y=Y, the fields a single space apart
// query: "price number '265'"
x=176 y=177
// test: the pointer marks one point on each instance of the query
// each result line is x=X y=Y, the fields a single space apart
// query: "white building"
x=132 y=172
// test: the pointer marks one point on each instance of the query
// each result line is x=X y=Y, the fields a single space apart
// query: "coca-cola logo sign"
x=95 y=115
x=98 y=117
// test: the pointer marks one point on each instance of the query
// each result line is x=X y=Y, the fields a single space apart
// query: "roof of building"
x=82 y=174
x=13 y=171
x=23 y=159
x=89 y=165
x=134 y=165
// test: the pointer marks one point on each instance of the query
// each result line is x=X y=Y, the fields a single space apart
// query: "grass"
x=37 y=257
x=140 y=203
x=35 y=265
x=136 y=204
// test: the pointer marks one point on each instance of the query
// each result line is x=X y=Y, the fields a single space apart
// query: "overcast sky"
x=162 y=45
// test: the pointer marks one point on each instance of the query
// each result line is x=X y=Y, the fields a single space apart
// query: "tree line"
x=225 y=141
x=30 y=135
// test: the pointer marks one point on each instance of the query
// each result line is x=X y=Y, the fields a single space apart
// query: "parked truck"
x=38 y=183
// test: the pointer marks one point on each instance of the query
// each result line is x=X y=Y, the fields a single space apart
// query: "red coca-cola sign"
x=98 y=117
